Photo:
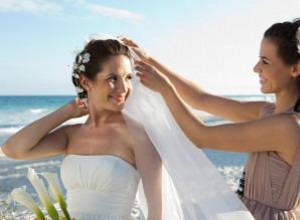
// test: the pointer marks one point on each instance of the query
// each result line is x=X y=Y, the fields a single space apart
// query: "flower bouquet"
x=21 y=196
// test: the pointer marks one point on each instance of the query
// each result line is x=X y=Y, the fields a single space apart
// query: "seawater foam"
x=10 y=130
x=231 y=175
x=38 y=110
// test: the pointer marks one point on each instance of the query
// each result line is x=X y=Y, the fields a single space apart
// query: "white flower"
x=78 y=89
x=75 y=66
x=86 y=58
x=76 y=75
x=82 y=68
x=298 y=39
x=21 y=196
x=42 y=193
x=56 y=192
x=79 y=59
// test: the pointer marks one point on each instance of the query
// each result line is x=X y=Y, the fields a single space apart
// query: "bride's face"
x=112 y=85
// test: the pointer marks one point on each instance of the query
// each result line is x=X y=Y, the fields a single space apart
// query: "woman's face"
x=274 y=74
x=112 y=85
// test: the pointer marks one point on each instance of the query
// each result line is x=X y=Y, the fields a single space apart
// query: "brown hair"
x=99 y=51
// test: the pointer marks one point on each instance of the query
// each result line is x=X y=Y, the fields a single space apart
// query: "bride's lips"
x=118 y=98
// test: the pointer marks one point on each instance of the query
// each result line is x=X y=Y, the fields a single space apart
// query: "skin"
x=104 y=133
x=279 y=132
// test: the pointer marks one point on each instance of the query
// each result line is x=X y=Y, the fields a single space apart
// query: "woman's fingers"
x=143 y=64
x=135 y=48
x=139 y=68
x=127 y=41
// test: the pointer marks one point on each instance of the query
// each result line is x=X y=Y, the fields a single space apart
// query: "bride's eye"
x=129 y=77
x=112 y=79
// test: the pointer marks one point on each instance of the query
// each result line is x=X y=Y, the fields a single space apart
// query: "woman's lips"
x=262 y=81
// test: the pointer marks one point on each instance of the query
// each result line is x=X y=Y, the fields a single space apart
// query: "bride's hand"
x=77 y=108
x=151 y=77
x=141 y=53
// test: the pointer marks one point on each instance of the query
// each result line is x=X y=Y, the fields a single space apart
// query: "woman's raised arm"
x=197 y=98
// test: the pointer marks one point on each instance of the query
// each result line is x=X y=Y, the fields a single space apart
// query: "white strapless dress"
x=101 y=187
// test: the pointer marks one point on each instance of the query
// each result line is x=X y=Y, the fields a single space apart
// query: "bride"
x=102 y=165
x=121 y=143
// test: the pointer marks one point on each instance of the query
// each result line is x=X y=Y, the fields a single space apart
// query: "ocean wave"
x=38 y=164
x=231 y=175
x=10 y=176
x=38 y=110
x=9 y=130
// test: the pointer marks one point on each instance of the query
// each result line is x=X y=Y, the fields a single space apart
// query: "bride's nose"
x=122 y=86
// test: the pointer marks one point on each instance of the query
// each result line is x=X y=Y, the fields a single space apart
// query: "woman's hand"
x=151 y=77
x=77 y=108
x=141 y=53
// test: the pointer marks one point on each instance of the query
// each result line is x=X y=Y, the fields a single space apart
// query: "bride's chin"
x=117 y=107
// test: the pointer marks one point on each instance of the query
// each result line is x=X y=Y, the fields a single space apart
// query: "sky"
x=214 y=43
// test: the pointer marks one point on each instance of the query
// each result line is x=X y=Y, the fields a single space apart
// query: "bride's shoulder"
x=135 y=129
x=71 y=129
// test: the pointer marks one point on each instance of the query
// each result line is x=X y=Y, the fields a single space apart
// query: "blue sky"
x=213 y=42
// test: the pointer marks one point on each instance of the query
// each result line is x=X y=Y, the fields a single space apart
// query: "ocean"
x=18 y=111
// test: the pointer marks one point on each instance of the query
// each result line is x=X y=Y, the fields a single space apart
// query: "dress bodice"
x=272 y=186
x=99 y=186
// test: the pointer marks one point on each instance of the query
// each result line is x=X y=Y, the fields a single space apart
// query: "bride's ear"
x=85 y=82
x=296 y=70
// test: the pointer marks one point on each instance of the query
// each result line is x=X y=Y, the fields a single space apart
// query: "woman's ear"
x=296 y=70
x=85 y=82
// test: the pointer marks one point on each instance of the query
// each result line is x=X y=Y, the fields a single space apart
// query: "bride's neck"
x=102 y=117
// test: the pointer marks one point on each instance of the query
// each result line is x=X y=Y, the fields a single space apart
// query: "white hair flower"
x=79 y=59
x=298 y=39
x=82 y=68
x=75 y=75
x=79 y=65
x=86 y=58
x=78 y=89
x=75 y=66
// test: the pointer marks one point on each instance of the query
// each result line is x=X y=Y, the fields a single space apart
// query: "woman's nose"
x=256 y=68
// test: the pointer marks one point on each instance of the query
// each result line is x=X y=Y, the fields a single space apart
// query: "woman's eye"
x=265 y=62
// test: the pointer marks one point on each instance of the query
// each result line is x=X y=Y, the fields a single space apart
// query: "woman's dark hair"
x=90 y=60
x=284 y=35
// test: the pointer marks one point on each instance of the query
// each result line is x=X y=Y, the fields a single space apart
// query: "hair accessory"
x=298 y=39
x=79 y=66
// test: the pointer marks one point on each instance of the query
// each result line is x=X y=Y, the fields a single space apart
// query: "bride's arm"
x=149 y=166
x=36 y=140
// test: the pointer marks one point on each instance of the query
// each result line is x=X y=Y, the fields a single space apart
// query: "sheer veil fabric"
x=192 y=187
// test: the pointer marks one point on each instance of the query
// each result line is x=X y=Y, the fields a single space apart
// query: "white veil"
x=193 y=189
